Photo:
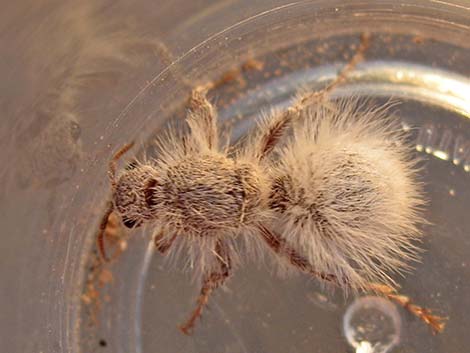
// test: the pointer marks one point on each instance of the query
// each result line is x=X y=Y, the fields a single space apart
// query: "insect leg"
x=203 y=117
x=279 y=246
x=100 y=237
x=437 y=323
x=309 y=98
x=109 y=209
x=163 y=245
x=210 y=282
x=273 y=129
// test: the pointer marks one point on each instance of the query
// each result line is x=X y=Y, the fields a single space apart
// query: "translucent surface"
x=372 y=325
x=54 y=184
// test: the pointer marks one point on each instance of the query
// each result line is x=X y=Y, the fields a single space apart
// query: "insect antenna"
x=113 y=162
x=110 y=208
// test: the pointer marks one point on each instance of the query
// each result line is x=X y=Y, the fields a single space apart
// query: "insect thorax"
x=208 y=193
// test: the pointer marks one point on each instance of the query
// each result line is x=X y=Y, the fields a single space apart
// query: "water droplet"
x=372 y=325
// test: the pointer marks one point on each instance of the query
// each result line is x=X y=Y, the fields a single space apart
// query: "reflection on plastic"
x=372 y=325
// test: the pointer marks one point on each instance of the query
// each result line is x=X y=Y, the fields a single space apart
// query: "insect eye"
x=129 y=223
x=75 y=130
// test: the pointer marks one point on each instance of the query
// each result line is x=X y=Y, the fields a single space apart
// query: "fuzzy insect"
x=328 y=189
x=346 y=195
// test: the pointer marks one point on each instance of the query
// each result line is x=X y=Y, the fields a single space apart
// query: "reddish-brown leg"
x=164 y=245
x=343 y=74
x=203 y=117
x=100 y=237
x=109 y=208
x=114 y=160
x=210 y=282
x=273 y=131
x=437 y=323
x=279 y=246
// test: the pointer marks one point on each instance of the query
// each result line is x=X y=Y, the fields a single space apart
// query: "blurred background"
x=80 y=79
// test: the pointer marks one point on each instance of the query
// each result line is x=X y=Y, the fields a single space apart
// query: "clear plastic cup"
x=80 y=80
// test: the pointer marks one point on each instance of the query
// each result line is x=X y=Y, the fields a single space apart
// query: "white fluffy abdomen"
x=346 y=195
